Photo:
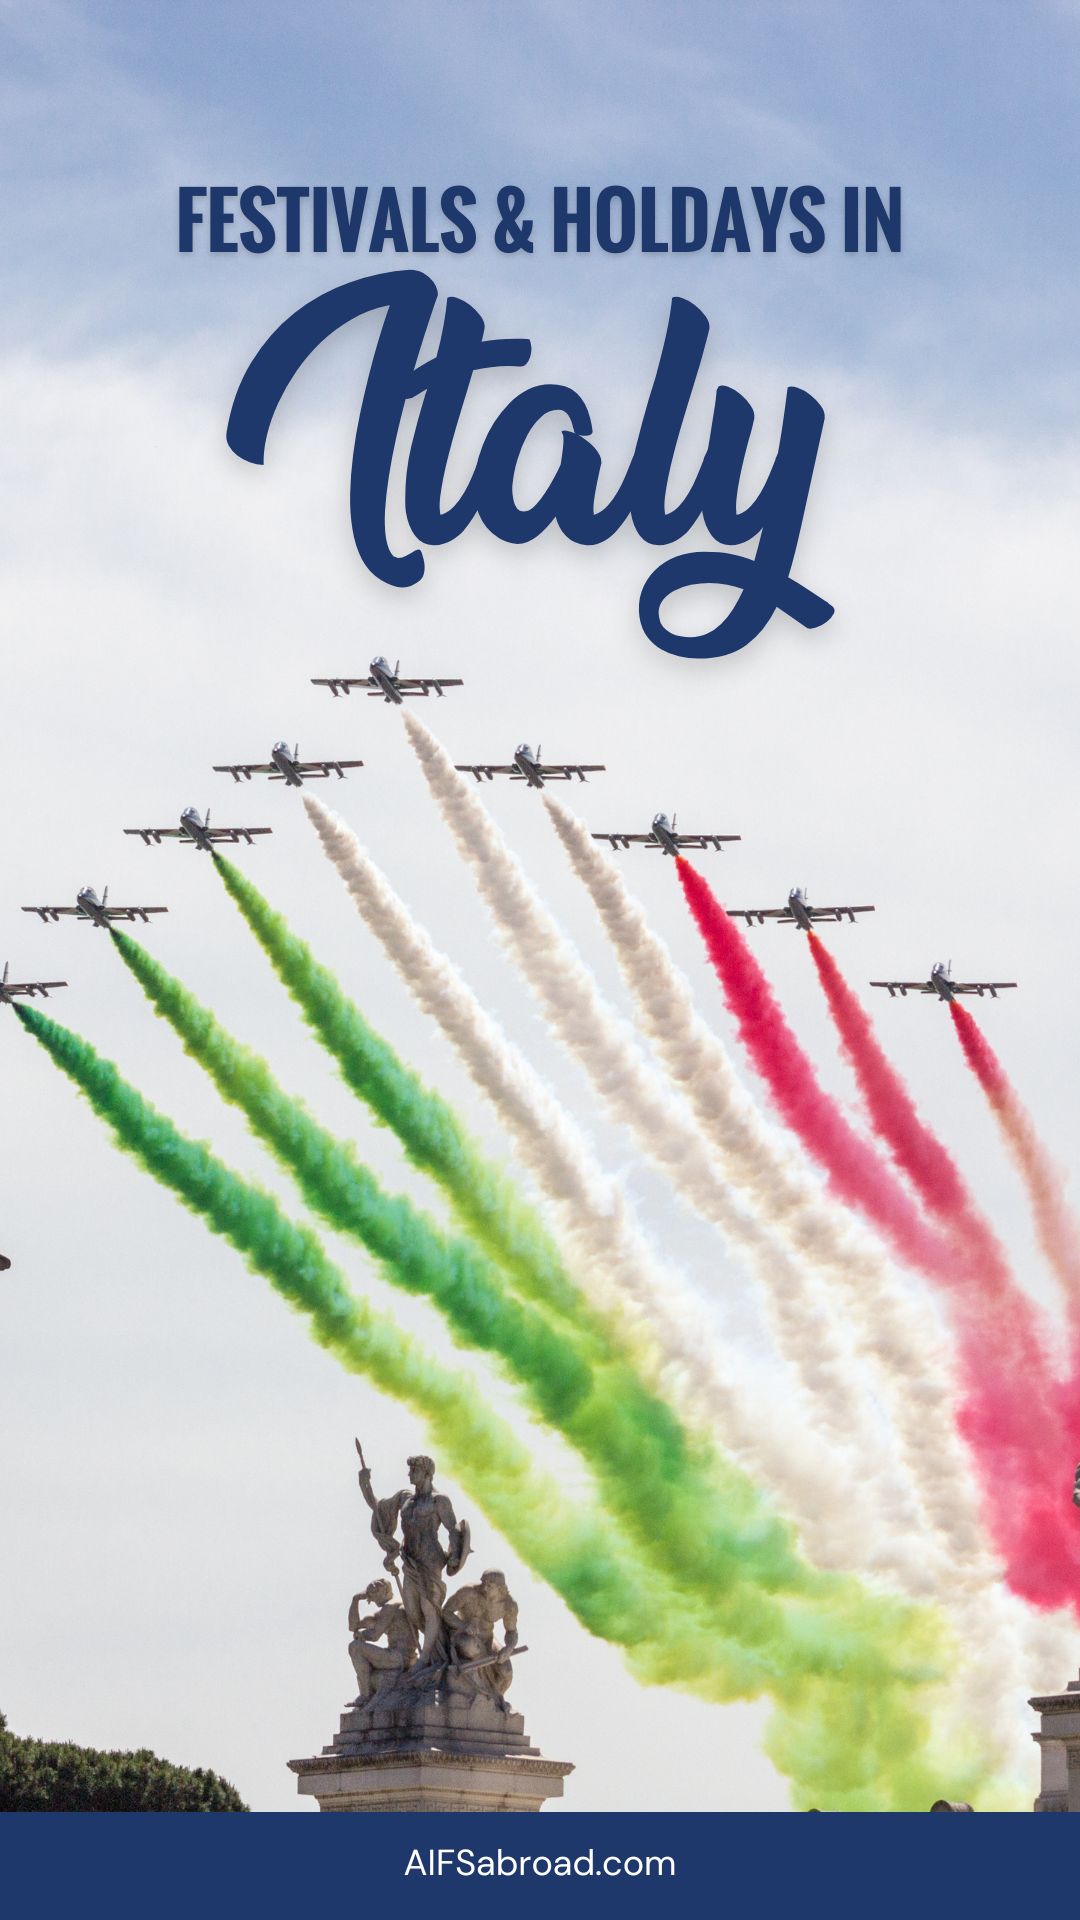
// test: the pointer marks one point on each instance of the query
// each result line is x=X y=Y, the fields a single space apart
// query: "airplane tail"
x=3 y=982
x=674 y=822
x=397 y=668
x=105 y=898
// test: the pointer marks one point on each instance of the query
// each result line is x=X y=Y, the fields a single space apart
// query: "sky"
x=181 y=1523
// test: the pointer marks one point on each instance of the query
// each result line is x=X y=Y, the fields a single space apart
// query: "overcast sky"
x=182 y=1530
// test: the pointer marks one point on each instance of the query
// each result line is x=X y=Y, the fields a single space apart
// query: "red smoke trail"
x=856 y=1173
x=1008 y=1412
x=1056 y=1225
x=916 y=1150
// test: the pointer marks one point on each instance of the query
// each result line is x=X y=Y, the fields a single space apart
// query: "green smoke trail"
x=484 y=1199
x=697 y=1515
x=857 y=1740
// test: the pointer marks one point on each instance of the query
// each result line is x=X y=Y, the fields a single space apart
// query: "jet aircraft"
x=288 y=766
x=98 y=912
x=943 y=985
x=798 y=913
x=381 y=683
x=196 y=832
x=531 y=767
x=667 y=838
x=9 y=989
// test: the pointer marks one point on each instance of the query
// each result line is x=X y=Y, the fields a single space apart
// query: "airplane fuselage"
x=525 y=762
x=800 y=910
x=92 y=908
x=662 y=830
x=941 y=983
x=384 y=679
x=286 y=765
x=194 y=828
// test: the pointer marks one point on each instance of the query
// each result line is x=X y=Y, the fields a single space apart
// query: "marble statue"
x=378 y=1668
x=432 y=1642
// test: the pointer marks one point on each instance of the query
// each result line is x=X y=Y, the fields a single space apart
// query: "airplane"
x=798 y=913
x=666 y=836
x=194 y=832
x=98 y=912
x=382 y=684
x=283 y=765
x=942 y=983
x=530 y=767
x=10 y=988
x=4 y=1263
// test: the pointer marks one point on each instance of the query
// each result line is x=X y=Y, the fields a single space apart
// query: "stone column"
x=1059 y=1741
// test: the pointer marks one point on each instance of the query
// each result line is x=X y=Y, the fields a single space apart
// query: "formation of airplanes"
x=381 y=682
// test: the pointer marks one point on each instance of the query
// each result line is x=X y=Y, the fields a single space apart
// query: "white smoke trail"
x=608 y=1254
x=893 y=1330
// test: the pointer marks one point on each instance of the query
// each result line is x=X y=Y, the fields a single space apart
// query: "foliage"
x=55 y=1776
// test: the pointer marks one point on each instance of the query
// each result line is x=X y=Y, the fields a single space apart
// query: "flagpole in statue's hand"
x=391 y=1547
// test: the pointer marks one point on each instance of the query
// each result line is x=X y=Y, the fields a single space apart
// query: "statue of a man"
x=375 y=1666
x=469 y=1618
x=423 y=1515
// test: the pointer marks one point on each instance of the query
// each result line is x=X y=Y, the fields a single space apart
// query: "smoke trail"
x=996 y=1319
x=1044 y=1538
x=849 y=1672
x=431 y=1133
x=609 y=1254
x=1001 y=1342
x=698 y=1516
x=856 y=1175
x=915 y=1148
x=844 y=1515
x=1055 y=1223
x=890 y=1329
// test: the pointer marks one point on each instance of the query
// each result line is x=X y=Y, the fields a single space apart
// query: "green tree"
x=55 y=1776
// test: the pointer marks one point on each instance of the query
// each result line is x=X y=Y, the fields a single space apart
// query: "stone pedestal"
x=439 y=1752
x=1059 y=1741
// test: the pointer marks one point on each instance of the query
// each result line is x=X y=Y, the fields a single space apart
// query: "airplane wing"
x=758 y=915
x=244 y=770
x=30 y=987
x=132 y=913
x=559 y=771
x=320 y=769
x=153 y=836
x=54 y=913
x=992 y=987
x=837 y=913
x=617 y=840
x=702 y=840
x=344 y=683
x=227 y=836
x=422 y=688
x=904 y=986
x=486 y=771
